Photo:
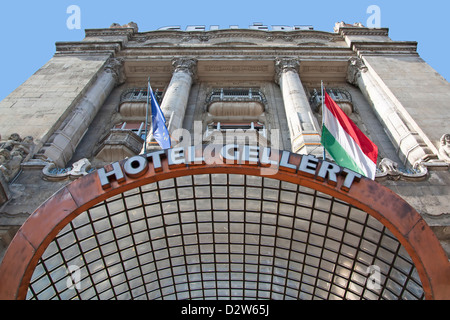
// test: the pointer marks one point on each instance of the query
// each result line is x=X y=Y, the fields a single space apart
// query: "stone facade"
x=73 y=111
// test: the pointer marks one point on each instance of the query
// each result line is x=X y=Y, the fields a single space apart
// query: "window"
x=236 y=94
x=236 y=127
x=137 y=127
x=139 y=95
x=340 y=96
x=223 y=126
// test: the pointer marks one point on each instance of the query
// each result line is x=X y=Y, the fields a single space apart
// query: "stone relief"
x=355 y=67
x=78 y=169
x=232 y=34
x=342 y=24
x=185 y=65
x=444 y=147
x=286 y=64
x=12 y=153
x=389 y=169
x=131 y=24
x=115 y=66
x=235 y=68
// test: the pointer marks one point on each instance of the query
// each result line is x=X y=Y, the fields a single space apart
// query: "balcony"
x=133 y=102
x=119 y=144
x=342 y=98
x=236 y=102
x=236 y=95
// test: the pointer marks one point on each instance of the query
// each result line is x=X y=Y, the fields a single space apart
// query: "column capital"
x=187 y=65
x=356 y=66
x=286 y=64
x=116 y=68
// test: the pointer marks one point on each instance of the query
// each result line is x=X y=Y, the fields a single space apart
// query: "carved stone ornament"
x=185 y=65
x=284 y=65
x=388 y=169
x=355 y=67
x=342 y=24
x=12 y=153
x=131 y=24
x=78 y=169
x=444 y=148
x=115 y=66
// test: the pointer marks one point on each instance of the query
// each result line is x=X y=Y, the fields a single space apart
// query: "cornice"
x=111 y=47
x=248 y=52
x=110 y=32
x=394 y=47
x=352 y=31
x=236 y=33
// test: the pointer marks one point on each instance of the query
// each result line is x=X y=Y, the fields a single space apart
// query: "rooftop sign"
x=255 y=26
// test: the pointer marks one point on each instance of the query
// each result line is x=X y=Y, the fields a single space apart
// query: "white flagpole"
x=146 y=115
x=323 y=116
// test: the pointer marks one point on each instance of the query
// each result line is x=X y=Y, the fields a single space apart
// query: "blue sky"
x=29 y=29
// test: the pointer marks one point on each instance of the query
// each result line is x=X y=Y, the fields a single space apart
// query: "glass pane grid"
x=223 y=236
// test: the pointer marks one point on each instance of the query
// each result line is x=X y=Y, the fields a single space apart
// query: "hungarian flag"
x=345 y=142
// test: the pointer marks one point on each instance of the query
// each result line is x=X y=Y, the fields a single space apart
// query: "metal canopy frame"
x=224 y=231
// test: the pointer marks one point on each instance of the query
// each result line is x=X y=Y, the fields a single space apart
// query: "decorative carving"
x=444 y=147
x=355 y=67
x=203 y=38
x=284 y=65
x=12 y=153
x=250 y=53
x=115 y=66
x=235 y=68
x=342 y=24
x=231 y=34
x=78 y=169
x=131 y=24
x=323 y=69
x=149 y=69
x=388 y=169
x=287 y=64
x=185 y=65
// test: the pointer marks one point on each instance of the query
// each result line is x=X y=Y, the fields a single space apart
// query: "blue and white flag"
x=160 y=132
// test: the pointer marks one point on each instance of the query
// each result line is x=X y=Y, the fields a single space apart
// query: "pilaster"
x=410 y=146
x=62 y=144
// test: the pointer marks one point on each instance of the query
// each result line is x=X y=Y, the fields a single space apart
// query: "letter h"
x=105 y=177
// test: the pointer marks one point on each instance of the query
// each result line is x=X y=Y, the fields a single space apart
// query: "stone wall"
x=39 y=106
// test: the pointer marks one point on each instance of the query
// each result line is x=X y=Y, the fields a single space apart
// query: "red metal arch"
x=398 y=216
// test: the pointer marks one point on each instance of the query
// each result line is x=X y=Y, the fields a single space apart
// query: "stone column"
x=62 y=144
x=176 y=96
x=410 y=146
x=303 y=127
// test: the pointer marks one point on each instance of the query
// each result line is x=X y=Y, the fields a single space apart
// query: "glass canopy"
x=224 y=236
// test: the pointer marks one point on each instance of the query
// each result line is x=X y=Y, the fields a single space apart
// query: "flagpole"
x=323 y=116
x=146 y=116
